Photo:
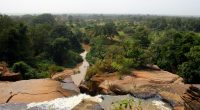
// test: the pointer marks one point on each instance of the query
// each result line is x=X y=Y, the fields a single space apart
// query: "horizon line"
x=62 y=13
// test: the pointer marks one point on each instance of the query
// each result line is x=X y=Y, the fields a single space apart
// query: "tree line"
x=38 y=47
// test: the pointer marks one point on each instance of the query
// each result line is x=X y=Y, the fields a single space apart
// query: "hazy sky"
x=163 y=7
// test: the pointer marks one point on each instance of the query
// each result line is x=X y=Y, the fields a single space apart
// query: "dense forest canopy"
x=39 y=45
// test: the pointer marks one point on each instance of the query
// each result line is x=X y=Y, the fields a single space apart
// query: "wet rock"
x=68 y=84
x=13 y=106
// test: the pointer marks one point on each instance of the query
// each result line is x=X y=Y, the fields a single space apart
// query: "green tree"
x=169 y=51
x=40 y=38
x=108 y=30
x=190 y=70
x=59 y=49
x=15 y=44
x=44 y=19
x=24 y=69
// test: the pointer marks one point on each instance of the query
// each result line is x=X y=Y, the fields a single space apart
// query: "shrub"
x=43 y=74
x=73 y=59
x=86 y=40
x=32 y=74
x=126 y=104
x=93 y=70
x=44 y=65
x=124 y=70
x=54 y=68
x=105 y=65
x=28 y=72
x=22 y=68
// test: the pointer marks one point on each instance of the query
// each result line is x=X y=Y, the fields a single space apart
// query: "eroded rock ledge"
x=143 y=84
x=35 y=90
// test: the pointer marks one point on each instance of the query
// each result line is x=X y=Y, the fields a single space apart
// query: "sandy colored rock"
x=146 y=84
x=7 y=75
x=35 y=90
x=88 y=105
x=61 y=75
x=192 y=98
x=159 y=77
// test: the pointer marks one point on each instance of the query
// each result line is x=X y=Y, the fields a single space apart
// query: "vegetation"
x=169 y=42
x=38 y=45
x=127 y=104
x=119 y=43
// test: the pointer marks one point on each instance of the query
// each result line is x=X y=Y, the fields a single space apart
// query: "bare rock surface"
x=146 y=84
x=62 y=75
x=35 y=90
x=7 y=75
x=88 y=105
x=192 y=98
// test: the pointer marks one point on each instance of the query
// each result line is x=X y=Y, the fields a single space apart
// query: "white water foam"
x=160 y=105
x=66 y=103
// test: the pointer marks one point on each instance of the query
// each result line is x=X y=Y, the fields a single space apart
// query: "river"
x=78 y=78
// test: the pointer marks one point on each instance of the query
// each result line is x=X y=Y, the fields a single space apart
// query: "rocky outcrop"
x=35 y=90
x=62 y=75
x=7 y=75
x=192 y=98
x=11 y=77
x=145 y=84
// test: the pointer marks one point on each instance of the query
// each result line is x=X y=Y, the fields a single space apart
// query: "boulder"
x=62 y=75
x=87 y=105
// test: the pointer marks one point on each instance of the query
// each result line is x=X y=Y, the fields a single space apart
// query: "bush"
x=126 y=104
x=93 y=70
x=86 y=40
x=54 y=68
x=43 y=74
x=73 y=59
x=42 y=70
x=32 y=74
x=44 y=65
x=105 y=65
x=21 y=67
x=24 y=69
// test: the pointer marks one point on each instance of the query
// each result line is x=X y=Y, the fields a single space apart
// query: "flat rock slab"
x=159 y=77
x=35 y=90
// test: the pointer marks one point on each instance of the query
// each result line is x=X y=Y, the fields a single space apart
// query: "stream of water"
x=78 y=78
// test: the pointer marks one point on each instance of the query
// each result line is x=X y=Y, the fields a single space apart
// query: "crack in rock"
x=12 y=95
